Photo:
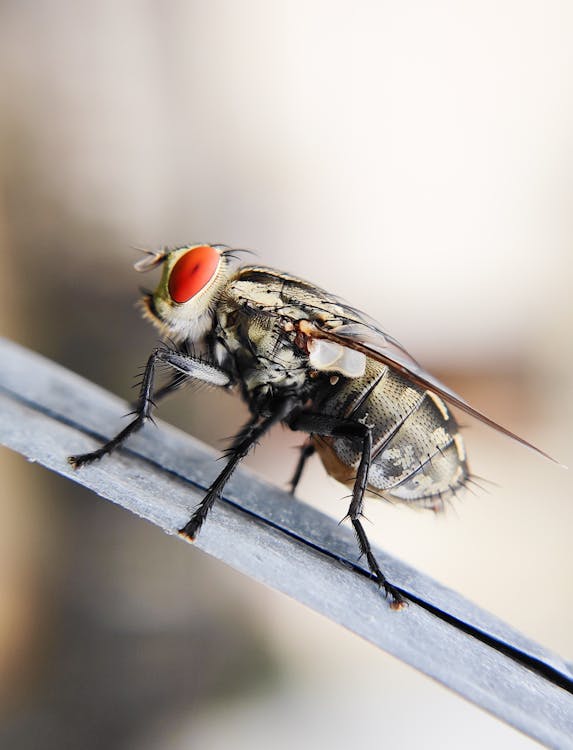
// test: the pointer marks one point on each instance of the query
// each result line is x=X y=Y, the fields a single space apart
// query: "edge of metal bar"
x=48 y=413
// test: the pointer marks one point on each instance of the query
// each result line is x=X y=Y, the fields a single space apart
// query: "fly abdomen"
x=417 y=453
x=423 y=460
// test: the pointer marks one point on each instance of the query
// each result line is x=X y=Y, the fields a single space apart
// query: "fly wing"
x=372 y=342
x=321 y=315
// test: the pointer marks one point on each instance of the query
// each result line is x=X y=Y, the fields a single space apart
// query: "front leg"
x=327 y=425
x=188 y=366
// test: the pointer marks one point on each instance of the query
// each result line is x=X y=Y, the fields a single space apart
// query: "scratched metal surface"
x=47 y=413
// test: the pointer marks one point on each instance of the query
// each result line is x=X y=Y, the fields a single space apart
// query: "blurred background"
x=415 y=158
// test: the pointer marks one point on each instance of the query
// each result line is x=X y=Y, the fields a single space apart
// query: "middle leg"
x=245 y=440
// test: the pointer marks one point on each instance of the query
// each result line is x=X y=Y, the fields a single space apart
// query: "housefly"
x=301 y=356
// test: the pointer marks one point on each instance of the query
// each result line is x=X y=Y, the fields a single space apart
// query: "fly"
x=300 y=356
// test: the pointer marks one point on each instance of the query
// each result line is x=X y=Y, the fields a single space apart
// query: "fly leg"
x=306 y=451
x=188 y=366
x=178 y=378
x=245 y=440
x=353 y=430
x=172 y=385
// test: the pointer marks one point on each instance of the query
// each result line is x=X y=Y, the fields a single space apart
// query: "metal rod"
x=48 y=413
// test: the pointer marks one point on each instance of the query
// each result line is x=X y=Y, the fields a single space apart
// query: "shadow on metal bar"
x=48 y=413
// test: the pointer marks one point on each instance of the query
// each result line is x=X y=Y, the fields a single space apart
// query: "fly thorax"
x=264 y=356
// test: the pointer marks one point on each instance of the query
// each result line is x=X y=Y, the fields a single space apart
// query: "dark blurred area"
x=428 y=182
x=99 y=648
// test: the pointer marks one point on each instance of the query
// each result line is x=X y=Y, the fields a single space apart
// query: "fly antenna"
x=152 y=258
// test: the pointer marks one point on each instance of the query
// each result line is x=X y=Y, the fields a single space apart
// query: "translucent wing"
x=366 y=338
x=321 y=315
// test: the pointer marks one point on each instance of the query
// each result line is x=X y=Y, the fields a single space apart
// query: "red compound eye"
x=192 y=272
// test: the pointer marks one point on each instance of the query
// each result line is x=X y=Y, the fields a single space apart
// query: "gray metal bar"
x=48 y=413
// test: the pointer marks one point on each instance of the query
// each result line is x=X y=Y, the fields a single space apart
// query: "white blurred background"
x=415 y=158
